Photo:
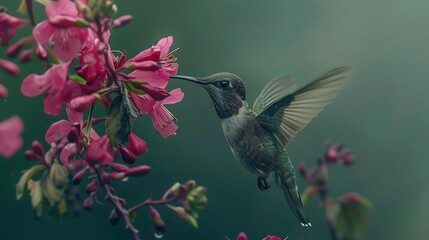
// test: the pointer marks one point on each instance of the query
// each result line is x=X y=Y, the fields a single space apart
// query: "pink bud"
x=348 y=159
x=88 y=204
x=242 y=236
x=114 y=217
x=78 y=176
x=122 y=20
x=117 y=167
x=30 y=155
x=127 y=155
x=3 y=91
x=14 y=49
x=10 y=67
x=37 y=147
x=92 y=187
x=99 y=152
x=145 y=66
x=137 y=145
x=117 y=175
x=25 y=55
x=155 y=92
x=81 y=103
x=332 y=155
x=158 y=223
x=138 y=171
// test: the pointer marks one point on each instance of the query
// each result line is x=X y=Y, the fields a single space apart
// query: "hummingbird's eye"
x=223 y=84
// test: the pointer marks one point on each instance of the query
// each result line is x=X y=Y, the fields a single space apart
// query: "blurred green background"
x=381 y=114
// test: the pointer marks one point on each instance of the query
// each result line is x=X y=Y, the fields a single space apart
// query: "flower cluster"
x=82 y=71
x=345 y=215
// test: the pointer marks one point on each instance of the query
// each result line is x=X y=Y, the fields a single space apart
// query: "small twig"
x=29 y=4
x=113 y=198
x=153 y=202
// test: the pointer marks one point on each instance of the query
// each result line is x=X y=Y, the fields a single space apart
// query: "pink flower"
x=160 y=54
x=99 y=152
x=242 y=236
x=10 y=139
x=162 y=118
x=92 y=67
x=61 y=29
x=8 y=27
x=52 y=83
x=137 y=145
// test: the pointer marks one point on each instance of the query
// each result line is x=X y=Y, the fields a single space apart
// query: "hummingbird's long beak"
x=187 y=78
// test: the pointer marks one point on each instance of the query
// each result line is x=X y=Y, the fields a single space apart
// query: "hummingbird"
x=259 y=136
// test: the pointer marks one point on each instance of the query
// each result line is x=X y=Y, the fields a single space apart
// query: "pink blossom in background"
x=8 y=27
x=162 y=118
x=61 y=29
x=51 y=83
x=10 y=136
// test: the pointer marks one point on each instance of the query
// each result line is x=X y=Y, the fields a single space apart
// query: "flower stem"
x=29 y=4
x=114 y=200
x=153 y=202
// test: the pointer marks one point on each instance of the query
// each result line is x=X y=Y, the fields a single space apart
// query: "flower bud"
x=158 y=223
x=114 y=217
x=127 y=155
x=25 y=55
x=92 y=187
x=30 y=155
x=156 y=93
x=78 y=176
x=14 y=49
x=242 y=236
x=37 y=147
x=137 y=145
x=347 y=159
x=122 y=20
x=117 y=167
x=98 y=152
x=332 y=155
x=88 y=204
x=137 y=171
x=3 y=91
x=10 y=67
x=117 y=175
x=81 y=103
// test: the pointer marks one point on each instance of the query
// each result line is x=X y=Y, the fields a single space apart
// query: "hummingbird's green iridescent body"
x=258 y=137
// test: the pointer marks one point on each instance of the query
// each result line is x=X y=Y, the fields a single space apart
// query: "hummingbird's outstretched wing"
x=286 y=113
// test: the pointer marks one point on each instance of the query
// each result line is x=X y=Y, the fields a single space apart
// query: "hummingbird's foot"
x=263 y=184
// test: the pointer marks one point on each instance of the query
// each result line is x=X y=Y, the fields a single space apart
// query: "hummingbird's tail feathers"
x=290 y=190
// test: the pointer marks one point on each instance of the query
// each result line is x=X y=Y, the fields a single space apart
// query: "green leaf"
x=25 y=178
x=132 y=88
x=78 y=79
x=117 y=122
x=133 y=216
x=36 y=197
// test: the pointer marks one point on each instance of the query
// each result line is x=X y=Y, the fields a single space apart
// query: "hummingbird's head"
x=226 y=90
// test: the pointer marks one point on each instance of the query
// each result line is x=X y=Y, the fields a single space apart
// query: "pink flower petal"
x=43 y=32
x=143 y=102
x=67 y=43
x=34 y=85
x=74 y=116
x=68 y=152
x=162 y=120
x=10 y=139
x=58 y=130
x=164 y=45
x=53 y=103
x=154 y=78
x=176 y=96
